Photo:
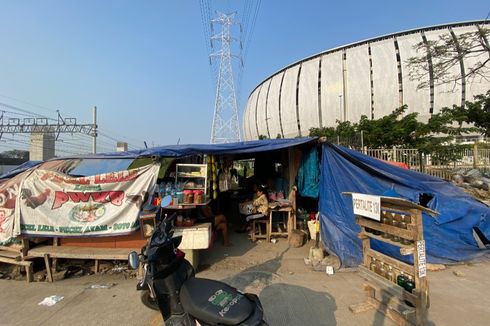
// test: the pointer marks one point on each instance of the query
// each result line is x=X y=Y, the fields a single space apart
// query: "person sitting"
x=260 y=207
x=218 y=221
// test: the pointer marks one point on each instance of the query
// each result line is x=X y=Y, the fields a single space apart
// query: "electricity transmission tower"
x=225 y=127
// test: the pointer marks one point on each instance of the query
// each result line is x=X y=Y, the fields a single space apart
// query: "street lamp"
x=340 y=108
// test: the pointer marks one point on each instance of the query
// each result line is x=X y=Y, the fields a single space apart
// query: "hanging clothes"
x=309 y=174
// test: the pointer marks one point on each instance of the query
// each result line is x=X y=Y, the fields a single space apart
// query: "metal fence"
x=431 y=165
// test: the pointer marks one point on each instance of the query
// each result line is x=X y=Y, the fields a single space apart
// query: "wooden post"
x=49 y=275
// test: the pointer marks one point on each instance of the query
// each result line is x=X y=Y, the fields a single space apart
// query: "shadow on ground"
x=285 y=304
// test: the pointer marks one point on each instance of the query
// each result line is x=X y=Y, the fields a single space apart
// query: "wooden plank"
x=15 y=262
x=404 y=249
x=12 y=248
x=361 y=307
x=406 y=234
x=390 y=313
x=82 y=252
x=385 y=285
x=10 y=254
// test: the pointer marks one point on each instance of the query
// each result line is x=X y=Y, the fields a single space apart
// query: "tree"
x=478 y=113
x=15 y=153
x=439 y=57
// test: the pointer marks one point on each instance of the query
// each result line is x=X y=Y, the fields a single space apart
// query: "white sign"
x=421 y=258
x=367 y=206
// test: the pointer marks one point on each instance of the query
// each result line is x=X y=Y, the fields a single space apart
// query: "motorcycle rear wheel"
x=148 y=301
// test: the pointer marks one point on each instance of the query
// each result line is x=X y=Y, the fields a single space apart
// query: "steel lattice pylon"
x=225 y=127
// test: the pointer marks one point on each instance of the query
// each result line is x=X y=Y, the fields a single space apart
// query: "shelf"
x=392 y=288
x=185 y=175
x=404 y=249
x=378 y=226
x=194 y=188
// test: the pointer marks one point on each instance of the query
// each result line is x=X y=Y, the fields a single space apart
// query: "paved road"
x=291 y=293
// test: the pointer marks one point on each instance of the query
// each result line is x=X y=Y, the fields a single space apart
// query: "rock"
x=458 y=273
x=316 y=253
x=331 y=261
x=458 y=179
x=436 y=267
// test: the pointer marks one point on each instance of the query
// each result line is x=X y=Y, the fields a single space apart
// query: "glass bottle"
x=386 y=219
x=409 y=284
x=373 y=266
x=390 y=274
x=382 y=269
x=401 y=280
x=395 y=222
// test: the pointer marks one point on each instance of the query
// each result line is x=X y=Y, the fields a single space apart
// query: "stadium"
x=364 y=78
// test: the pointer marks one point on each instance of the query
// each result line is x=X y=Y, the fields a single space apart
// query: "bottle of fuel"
x=401 y=280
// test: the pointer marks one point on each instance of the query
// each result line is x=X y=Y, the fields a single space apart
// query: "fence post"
x=475 y=156
x=422 y=163
x=394 y=156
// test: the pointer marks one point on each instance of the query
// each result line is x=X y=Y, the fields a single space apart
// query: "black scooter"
x=170 y=286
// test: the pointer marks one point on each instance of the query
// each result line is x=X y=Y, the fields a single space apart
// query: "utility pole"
x=225 y=128
x=94 y=132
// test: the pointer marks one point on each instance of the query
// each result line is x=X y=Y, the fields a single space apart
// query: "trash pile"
x=473 y=182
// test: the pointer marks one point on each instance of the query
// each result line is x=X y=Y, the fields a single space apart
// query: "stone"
x=459 y=273
x=436 y=267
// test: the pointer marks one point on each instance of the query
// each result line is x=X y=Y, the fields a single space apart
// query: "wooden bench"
x=15 y=254
x=72 y=252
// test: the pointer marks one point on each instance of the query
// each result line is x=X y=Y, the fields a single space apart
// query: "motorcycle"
x=169 y=285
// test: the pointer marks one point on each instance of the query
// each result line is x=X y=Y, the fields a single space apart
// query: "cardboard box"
x=197 y=236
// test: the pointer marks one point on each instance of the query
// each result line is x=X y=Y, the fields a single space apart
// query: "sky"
x=145 y=64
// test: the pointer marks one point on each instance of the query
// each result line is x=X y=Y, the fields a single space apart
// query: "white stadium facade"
x=364 y=78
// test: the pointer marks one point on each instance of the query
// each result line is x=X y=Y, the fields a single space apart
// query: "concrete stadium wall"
x=365 y=78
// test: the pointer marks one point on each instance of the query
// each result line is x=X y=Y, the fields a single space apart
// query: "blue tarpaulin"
x=21 y=168
x=449 y=236
x=246 y=147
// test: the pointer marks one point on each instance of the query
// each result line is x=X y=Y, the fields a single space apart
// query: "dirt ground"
x=291 y=292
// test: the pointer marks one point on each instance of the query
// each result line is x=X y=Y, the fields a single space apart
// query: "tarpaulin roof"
x=245 y=147
x=449 y=236
x=21 y=168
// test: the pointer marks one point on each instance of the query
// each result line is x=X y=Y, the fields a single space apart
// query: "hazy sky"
x=145 y=64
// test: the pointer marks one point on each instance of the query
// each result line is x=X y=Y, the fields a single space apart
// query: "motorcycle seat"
x=215 y=302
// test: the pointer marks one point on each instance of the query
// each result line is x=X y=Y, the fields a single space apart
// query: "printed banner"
x=9 y=191
x=56 y=204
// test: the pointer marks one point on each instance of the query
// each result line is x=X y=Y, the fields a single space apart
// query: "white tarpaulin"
x=9 y=191
x=56 y=204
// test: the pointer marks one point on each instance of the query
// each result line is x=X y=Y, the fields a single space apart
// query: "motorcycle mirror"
x=166 y=201
x=133 y=260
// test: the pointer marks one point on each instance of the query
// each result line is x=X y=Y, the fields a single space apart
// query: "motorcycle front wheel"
x=148 y=300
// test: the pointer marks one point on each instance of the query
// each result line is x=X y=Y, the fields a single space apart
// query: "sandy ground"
x=291 y=293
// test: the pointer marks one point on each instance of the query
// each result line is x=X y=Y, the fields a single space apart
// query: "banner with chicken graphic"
x=56 y=204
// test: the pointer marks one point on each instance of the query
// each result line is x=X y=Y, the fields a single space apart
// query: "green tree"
x=478 y=113
x=15 y=153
